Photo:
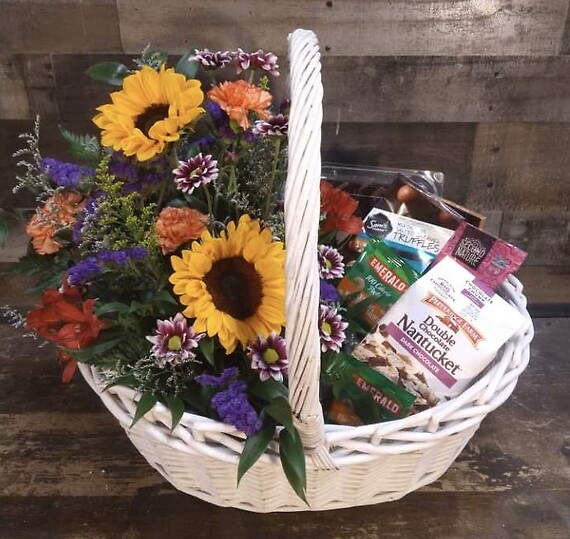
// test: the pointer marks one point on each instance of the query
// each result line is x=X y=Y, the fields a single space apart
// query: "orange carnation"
x=239 y=98
x=59 y=211
x=176 y=226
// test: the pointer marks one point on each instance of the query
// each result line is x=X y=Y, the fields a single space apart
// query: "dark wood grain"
x=350 y=28
x=68 y=469
x=59 y=25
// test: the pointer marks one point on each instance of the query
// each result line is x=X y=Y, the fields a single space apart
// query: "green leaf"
x=187 y=67
x=280 y=410
x=165 y=296
x=109 y=72
x=269 y=391
x=254 y=447
x=206 y=345
x=292 y=458
x=176 y=405
x=113 y=307
x=84 y=147
x=146 y=402
x=89 y=353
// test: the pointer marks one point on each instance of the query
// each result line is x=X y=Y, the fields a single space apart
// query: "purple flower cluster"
x=135 y=177
x=88 y=211
x=90 y=268
x=328 y=292
x=231 y=403
x=222 y=123
x=66 y=174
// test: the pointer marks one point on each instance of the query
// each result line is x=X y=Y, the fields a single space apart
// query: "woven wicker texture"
x=346 y=466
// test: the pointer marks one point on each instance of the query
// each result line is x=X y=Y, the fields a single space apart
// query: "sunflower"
x=151 y=110
x=233 y=285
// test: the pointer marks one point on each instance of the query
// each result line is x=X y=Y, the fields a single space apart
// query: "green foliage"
x=48 y=269
x=111 y=73
x=254 y=447
x=187 y=67
x=151 y=58
x=4 y=228
x=84 y=147
x=292 y=458
x=176 y=405
x=145 y=404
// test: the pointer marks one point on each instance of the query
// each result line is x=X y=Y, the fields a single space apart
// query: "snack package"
x=445 y=328
x=363 y=395
x=489 y=258
x=415 y=241
x=378 y=277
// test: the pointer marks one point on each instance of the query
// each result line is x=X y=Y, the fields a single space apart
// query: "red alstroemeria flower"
x=65 y=319
x=339 y=208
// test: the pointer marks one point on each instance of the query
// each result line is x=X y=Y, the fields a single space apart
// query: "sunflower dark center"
x=235 y=287
x=150 y=116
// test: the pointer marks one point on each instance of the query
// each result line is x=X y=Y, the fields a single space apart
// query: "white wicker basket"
x=346 y=466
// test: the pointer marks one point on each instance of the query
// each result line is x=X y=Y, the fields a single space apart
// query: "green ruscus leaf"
x=292 y=457
x=254 y=447
x=110 y=72
x=187 y=67
x=146 y=402
x=280 y=410
x=176 y=405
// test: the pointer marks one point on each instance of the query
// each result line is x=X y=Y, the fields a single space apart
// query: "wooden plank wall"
x=479 y=89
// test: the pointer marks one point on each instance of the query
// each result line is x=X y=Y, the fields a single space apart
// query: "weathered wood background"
x=479 y=89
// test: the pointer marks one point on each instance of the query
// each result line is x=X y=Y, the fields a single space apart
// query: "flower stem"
x=209 y=200
x=269 y=194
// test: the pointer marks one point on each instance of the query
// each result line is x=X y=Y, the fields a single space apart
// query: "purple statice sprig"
x=329 y=293
x=64 y=174
x=231 y=403
x=92 y=267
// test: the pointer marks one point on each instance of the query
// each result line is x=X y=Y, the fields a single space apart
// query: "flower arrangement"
x=160 y=252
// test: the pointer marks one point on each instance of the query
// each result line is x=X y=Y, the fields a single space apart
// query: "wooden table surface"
x=68 y=470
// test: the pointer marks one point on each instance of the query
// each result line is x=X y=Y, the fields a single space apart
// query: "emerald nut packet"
x=363 y=395
x=375 y=282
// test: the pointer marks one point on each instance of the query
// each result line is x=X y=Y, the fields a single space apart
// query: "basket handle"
x=302 y=211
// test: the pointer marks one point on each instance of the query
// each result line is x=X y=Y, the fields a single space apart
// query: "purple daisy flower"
x=266 y=61
x=198 y=170
x=269 y=357
x=174 y=341
x=331 y=329
x=331 y=265
x=328 y=292
x=210 y=59
x=276 y=126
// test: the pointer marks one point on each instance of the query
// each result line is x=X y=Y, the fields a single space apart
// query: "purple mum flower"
x=329 y=293
x=269 y=357
x=266 y=61
x=276 y=126
x=331 y=329
x=175 y=341
x=66 y=174
x=331 y=265
x=212 y=60
x=84 y=271
x=198 y=170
